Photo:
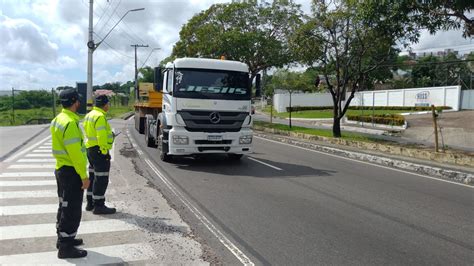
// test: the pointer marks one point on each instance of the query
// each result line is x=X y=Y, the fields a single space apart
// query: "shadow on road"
x=222 y=165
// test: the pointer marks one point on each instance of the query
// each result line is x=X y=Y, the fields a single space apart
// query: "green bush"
x=389 y=119
x=402 y=108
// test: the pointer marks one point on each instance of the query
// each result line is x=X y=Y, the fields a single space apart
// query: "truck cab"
x=206 y=109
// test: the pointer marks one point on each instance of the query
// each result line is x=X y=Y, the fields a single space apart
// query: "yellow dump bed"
x=148 y=97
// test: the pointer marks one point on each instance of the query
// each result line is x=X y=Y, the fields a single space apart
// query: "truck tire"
x=163 y=147
x=149 y=139
x=234 y=156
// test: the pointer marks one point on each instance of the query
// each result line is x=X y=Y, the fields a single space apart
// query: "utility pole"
x=54 y=102
x=13 y=106
x=136 y=67
x=91 y=47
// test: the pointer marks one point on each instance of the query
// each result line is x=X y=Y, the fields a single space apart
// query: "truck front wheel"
x=163 y=147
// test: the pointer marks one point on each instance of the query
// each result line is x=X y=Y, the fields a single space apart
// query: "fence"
x=439 y=96
x=467 y=100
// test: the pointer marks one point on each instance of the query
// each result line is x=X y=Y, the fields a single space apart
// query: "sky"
x=44 y=41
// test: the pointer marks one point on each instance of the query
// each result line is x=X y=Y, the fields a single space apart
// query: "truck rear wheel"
x=235 y=157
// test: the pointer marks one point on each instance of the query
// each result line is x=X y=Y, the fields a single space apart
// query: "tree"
x=442 y=14
x=348 y=41
x=290 y=82
x=147 y=74
x=251 y=32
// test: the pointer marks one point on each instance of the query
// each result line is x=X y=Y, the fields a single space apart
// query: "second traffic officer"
x=99 y=142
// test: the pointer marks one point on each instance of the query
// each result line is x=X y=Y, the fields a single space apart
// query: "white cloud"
x=24 y=41
x=31 y=79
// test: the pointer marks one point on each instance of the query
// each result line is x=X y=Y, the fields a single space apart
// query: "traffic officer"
x=99 y=141
x=71 y=174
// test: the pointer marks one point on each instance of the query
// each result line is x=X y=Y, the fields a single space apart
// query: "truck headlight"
x=180 y=140
x=245 y=139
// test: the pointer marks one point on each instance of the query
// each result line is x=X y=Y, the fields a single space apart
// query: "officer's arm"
x=73 y=144
x=101 y=129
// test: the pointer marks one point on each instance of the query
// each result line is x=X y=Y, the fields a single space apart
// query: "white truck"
x=206 y=109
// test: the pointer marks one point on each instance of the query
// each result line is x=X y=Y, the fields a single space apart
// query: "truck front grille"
x=200 y=121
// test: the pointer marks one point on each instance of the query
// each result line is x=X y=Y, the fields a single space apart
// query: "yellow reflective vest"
x=67 y=142
x=98 y=131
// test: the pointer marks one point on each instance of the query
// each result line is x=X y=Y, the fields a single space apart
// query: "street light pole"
x=136 y=68
x=92 y=46
x=13 y=106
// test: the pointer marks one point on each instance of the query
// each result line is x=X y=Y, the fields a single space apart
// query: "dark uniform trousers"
x=99 y=167
x=70 y=195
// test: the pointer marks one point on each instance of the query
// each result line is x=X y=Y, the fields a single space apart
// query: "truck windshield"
x=211 y=84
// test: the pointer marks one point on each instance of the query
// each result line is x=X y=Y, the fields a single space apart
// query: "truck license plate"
x=214 y=138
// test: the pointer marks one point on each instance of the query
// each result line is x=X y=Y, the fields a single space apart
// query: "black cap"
x=101 y=100
x=68 y=97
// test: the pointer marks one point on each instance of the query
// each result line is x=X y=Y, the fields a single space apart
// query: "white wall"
x=467 y=100
x=281 y=101
x=439 y=96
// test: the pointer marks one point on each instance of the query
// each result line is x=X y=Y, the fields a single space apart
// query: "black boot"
x=75 y=242
x=104 y=210
x=71 y=252
x=89 y=206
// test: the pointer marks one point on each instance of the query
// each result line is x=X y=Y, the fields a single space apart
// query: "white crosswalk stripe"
x=117 y=254
x=31 y=166
x=23 y=195
x=27 y=174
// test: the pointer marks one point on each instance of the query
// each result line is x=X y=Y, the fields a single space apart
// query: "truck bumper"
x=205 y=143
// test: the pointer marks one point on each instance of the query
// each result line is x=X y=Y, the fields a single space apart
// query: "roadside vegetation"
x=318 y=132
x=328 y=113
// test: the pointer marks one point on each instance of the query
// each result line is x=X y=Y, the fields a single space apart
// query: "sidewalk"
x=145 y=229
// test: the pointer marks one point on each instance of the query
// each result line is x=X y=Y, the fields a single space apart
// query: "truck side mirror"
x=158 y=77
x=258 y=89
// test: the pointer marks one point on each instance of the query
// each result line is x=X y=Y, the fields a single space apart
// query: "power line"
x=114 y=49
x=103 y=12
x=115 y=10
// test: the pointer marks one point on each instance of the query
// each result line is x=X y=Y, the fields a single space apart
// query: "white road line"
x=218 y=234
x=37 y=160
x=31 y=166
x=118 y=254
x=28 y=194
x=239 y=254
x=27 y=174
x=269 y=165
x=9 y=159
x=45 y=148
x=42 y=151
x=27 y=183
x=33 y=209
x=46 y=230
x=40 y=155
x=373 y=164
x=28 y=209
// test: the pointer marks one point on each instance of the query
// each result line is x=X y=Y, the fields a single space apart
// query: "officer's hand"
x=85 y=184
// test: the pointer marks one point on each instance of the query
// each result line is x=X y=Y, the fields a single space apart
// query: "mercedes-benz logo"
x=214 y=117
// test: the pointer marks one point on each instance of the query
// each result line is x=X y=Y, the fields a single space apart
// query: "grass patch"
x=23 y=116
x=318 y=132
x=329 y=113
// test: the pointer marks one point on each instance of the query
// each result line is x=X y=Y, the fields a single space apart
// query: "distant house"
x=109 y=93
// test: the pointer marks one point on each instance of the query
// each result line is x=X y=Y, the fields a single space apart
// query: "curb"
x=127 y=115
x=451 y=175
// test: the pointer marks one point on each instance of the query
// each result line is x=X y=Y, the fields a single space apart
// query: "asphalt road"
x=284 y=205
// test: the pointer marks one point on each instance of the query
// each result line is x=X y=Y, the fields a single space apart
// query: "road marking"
x=373 y=164
x=28 y=194
x=28 y=209
x=211 y=227
x=27 y=183
x=27 y=149
x=218 y=234
x=44 y=155
x=31 y=166
x=27 y=174
x=37 y=160
x=46 y=230
x=42 y=151
x=269 y=165
x=116 y=255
